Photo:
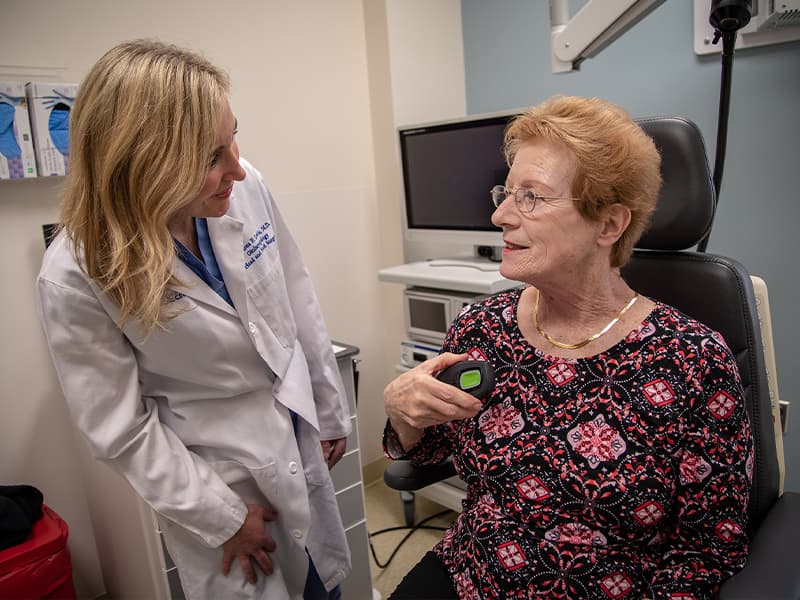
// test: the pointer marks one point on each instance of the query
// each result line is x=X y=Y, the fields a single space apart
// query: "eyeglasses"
x=525 y=197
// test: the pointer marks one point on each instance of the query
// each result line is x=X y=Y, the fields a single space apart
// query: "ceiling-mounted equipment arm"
x=594 y=26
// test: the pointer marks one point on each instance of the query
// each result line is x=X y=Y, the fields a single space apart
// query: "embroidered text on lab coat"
x=258 y=242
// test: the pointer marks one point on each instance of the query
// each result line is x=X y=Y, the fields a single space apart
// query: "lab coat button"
x=297 y=533
x=252 y=327
x=292 y=467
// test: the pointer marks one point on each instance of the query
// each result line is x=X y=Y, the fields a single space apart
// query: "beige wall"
x=37 y=444
x=300 y=92
x=416 y=74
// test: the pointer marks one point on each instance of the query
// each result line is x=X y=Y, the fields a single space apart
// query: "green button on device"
x=470 y=379
x=475 y=377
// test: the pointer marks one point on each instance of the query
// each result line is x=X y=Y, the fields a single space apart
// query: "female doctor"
x=187 y=336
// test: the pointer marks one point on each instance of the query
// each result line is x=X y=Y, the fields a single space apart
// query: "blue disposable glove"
x=58 y=126
x=8 y=141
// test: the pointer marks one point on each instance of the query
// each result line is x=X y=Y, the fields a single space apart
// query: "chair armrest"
x=772 y=570
x=402 y=475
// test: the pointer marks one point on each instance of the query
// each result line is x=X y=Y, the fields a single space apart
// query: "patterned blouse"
x=619 y=476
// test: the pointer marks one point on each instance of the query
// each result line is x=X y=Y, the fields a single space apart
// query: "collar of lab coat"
x=227 y=240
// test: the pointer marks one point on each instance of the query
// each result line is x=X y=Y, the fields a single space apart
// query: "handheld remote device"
x=475 y=377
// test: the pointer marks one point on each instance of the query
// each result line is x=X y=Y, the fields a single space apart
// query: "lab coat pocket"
x=232 y=472
x=252 y=484
x=266 y=477
x=270 y=299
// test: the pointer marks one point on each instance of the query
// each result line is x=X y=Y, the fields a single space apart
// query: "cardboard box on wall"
x=16 y=144
x=49 y=105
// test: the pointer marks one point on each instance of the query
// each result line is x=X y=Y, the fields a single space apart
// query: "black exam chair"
x=717 y=291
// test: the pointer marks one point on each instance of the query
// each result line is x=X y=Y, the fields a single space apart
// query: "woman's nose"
x=502 y=212
x=238 y=173
x=235 y=170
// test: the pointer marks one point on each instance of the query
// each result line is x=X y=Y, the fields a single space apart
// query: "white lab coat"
x=196 y=417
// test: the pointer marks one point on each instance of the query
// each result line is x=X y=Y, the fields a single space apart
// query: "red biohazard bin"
x=40 y=567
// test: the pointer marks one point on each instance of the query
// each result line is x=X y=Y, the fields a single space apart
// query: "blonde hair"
x=616 y=161
x=142 y=134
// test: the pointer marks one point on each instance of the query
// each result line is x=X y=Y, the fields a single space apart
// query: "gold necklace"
x=591 y=338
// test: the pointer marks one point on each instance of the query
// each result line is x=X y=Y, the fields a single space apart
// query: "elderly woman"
x=597 y=467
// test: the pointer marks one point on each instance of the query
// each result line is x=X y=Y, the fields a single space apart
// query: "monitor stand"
x=478 y=263
x=463 y=273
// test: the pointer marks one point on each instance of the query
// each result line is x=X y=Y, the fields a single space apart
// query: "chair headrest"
x=685 y=206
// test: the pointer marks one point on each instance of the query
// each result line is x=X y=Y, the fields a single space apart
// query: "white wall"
x=301 y=94
x=371 y=414
x=427 y=71
x=427 y=60
x=416 y=73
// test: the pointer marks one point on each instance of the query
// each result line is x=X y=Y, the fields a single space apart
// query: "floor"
x=385 y=510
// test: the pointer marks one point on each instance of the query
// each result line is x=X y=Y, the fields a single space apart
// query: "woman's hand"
x=416 y=399
x=251 y=543
x=333 y=450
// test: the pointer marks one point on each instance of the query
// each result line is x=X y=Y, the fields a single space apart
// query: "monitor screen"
x=448 y=170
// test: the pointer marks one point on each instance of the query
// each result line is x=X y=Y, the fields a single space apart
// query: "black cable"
x=726 y=17
x=412 y=528
x=728 y=43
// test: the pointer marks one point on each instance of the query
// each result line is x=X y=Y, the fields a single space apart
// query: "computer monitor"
x=448 y=169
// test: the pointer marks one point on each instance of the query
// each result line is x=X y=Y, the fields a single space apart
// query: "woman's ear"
x=616 y=221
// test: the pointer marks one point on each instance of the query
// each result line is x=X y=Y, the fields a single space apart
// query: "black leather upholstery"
x=772 y=570
x=713 y=289
x=685 y=206
x=717 y=291
x=401 y=475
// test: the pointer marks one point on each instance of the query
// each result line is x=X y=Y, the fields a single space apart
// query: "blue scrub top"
x=206 y=269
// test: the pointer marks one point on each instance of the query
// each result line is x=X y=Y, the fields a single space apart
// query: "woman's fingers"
x=227 y=560
x=264 y=561
x=247 y=568
x=439 y=363
x=418 y=399
x=251 y=543
x=440 y=403
x=267 y=512
x=333 y=451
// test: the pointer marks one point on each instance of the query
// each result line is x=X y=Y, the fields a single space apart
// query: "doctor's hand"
x=251 y=543
x=333 y=450
x=416 y=399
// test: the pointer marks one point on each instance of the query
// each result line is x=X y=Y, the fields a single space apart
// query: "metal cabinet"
x=349 y=487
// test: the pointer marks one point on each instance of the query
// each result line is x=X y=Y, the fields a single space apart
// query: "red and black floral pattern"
x=622 y=475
